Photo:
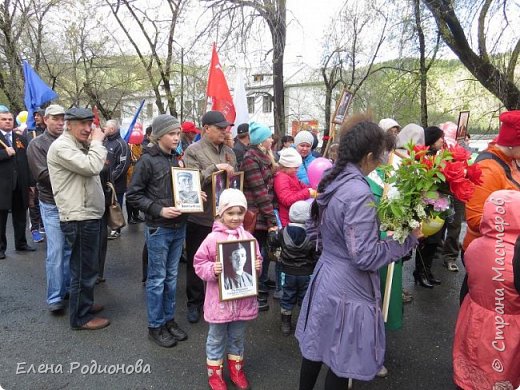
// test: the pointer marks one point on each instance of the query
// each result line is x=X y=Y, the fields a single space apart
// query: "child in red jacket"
x=287 y=187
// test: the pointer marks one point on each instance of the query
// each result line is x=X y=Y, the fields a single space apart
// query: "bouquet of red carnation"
x=420 y=188
x=460 y=176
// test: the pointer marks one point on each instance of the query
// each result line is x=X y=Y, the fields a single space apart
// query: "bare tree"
x=424 y=63
x=14 y=18
x=241 y=14
x=353 y=45
x=151 y=27
x=484 y=65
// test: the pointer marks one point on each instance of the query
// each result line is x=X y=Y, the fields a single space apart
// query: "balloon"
x=310 y=200
x=136 y=138
x=316 y=170
x=21 y=118
x=138 y=126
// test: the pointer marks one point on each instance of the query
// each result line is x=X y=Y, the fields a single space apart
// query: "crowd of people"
x=330 y=256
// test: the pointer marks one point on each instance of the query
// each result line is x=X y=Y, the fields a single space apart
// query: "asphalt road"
x=39 y=351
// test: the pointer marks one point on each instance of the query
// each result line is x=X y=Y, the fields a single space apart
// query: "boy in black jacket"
x=298 y=257
x=151 y=192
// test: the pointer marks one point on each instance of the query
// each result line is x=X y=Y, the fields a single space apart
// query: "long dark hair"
x=363 y=138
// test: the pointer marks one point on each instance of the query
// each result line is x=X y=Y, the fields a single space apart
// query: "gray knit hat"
x=304 y=136
x=163 y=124
x=300 y=212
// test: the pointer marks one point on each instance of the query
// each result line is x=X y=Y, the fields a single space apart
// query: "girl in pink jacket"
x=227 y=319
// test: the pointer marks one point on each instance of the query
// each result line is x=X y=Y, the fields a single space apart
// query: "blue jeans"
x=83 y=238
x=57 y=263
x=227 y=336
x=164 y=252
x=294 y=289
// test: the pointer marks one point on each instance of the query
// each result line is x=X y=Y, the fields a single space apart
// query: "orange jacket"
x=493 y=179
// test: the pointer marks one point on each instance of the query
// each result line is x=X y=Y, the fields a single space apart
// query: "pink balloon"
x=138 y=126
x=316 y=170
x=136 y=138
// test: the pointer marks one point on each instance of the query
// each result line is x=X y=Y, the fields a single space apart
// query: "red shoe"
x=236 y=372
x=215 y=380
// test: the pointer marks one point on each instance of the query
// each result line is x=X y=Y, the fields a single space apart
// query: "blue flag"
x=126 y=137
x=36 y=91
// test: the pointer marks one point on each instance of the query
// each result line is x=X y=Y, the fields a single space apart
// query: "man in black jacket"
x=151 y=192
x=15 y=180
x=57 y=262
x=241 y=142
x=118 y=160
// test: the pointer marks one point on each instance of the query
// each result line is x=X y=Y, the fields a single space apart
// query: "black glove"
x=272 y=239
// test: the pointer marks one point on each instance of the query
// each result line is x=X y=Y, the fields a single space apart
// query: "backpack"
x=507 y=169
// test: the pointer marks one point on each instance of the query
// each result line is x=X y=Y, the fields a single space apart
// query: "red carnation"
x=454 y=171
x=474 y=173
x=459 y=153
x=462 y=189
x=429 y=162
x=420 y=151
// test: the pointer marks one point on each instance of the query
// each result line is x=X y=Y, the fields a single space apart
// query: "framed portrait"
x=342 y=107
x=238 y=278
x=236 y=181
x=186 y=190
x=462 y=125
x=218 y=185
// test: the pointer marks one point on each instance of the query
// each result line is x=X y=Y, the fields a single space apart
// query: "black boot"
x=422 y=279
x=175 y=331
x=286 y=324
x=162 y=337
x=432 y=279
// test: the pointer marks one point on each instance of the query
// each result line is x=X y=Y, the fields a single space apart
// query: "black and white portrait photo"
x=186 y=190
x=238 y=279
x=218 y=183
x=342 y=109
x=462 y=126
x=236 y=181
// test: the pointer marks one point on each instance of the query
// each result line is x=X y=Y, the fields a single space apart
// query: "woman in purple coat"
x=341 y=323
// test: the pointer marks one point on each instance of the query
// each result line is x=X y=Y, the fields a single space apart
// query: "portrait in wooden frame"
x=238 y=278
x=186 y=190
x=218 y=185
x=342 y=108
x=462 y=126
x=236 y=181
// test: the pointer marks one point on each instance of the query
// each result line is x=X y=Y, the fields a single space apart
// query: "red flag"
x=218 y=90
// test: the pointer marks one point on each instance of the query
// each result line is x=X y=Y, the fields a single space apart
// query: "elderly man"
x=209 y=155
x=14 y=183
x=118 y=160
x=58 y=254
x=75 y=160
x=241 y=142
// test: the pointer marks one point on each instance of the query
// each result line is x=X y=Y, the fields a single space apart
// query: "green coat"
x=395 y=310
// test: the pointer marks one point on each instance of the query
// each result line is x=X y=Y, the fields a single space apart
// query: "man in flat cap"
x=75 y=160
x=58 y=254
x=209 y=155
